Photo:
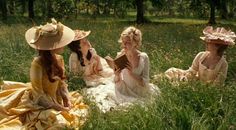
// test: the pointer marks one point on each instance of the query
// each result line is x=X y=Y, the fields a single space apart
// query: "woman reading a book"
x=132 y=82
x=85 y=61
x=45 y=103
x=208 y=66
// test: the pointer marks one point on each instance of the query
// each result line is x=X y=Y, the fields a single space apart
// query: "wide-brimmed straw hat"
x=49 y=36
x=80 y=34
x=218 y=36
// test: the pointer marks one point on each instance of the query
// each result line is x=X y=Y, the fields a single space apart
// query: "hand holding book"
x=120 y=62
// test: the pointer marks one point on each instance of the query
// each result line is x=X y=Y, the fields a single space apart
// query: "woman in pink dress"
x=209 y=66
x=86 y=62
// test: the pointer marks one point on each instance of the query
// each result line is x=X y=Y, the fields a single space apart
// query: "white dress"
x=127 y=90
x=101 y=84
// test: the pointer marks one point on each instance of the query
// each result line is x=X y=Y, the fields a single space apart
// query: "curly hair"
x=50 y=64
x=75 y=47
x=134 y=34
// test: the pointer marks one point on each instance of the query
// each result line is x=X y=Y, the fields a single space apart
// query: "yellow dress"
x=20 y=109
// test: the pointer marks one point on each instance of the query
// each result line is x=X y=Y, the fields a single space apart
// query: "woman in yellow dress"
x=45 y=103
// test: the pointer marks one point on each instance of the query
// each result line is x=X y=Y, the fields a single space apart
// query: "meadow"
x=169 y=43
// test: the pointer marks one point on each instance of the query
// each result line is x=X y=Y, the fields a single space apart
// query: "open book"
x=117 y=63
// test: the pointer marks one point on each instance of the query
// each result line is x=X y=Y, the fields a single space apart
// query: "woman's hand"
x=64 y=93
x=51 y=105
x=59 y=107
x=67 y=102
x=117 y=72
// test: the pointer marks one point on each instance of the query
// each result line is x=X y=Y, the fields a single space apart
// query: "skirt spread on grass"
x=19 y=111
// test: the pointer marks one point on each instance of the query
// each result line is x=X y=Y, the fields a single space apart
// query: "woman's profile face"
x=84 y=46
x=211 y=47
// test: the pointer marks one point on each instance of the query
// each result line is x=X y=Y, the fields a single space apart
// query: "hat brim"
x=50 y=42
x=215 y=41
x=76 y=38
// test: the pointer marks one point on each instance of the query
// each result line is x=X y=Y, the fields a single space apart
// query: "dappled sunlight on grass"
x=169 y=42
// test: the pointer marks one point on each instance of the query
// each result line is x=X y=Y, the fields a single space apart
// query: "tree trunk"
x=50 y=9
x=76 y=8
x=44 y=8
x=31 y=8
x=97 y=11
x=170 y=5
x=140 y=12
x=87 y=8
x=212 y=12
x=3 y=5
x=115 y=8
x=107 y=7
x=23 y=6
x=231 y=8
x=11 y=7
x=224 y=10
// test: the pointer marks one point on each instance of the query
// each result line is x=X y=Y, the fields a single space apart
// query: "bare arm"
x=193 y=70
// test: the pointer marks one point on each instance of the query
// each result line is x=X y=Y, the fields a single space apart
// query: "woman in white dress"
x=85 y=61
x=208 y=66
x=132 y=83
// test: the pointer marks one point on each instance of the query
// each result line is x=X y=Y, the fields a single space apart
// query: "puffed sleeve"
x=36 y=74
x=222 y=74
x=97 y=66
x=73 y=63
x=195 y=65
x=145 y=72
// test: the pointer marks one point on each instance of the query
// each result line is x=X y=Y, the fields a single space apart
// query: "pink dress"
x=90 y=77
x=201 y=72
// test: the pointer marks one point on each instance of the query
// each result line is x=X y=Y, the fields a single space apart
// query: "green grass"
x=168 y=42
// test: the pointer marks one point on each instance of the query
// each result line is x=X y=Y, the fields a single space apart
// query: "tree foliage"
x=224 y=9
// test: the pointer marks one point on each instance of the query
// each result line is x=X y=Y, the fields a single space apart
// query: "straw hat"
x=218 y=36
x=80 y=34
x=49 y=36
